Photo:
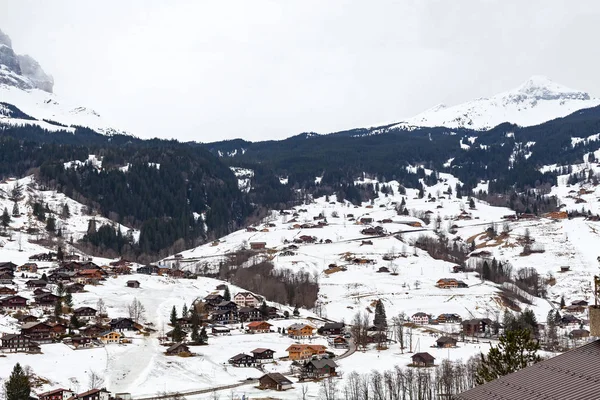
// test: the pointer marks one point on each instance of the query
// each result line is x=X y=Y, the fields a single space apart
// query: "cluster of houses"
x=93 y=394
x=92 y=329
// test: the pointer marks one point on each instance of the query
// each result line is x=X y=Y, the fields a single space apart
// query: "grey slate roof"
x=573 y=375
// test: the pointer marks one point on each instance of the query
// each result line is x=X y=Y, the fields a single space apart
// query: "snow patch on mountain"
x=536 y=101
x=244 y=176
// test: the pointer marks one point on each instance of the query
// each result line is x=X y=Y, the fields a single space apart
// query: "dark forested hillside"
x=180 y=194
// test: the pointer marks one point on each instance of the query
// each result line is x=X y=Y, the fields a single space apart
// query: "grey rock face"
x=31 y=69
x=21 y=71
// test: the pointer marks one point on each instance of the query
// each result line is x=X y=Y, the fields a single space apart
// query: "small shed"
x=178 y=348
x=445 y=342
x=423 y=360
x=274 y=381
x=133 y=284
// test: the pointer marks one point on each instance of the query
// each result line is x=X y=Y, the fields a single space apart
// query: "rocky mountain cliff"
x=21 y=71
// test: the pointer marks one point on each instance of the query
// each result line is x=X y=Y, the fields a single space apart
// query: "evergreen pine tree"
x=515 y=351
x=178 y=335
x=65 y=213
x=58 y=309
x=471 y=203
x=379 y=320
x=17 y=387
x=203 y=336
x=44 y=277
x=51 y=224
x=5 y=218
x=264 y=310
x=562 y=302
x=195 y=335
x=173 y=316
x=551 y=331
x=296 y=312
x=69 y=300
x=227 y=294
x=74 y=322
x=15 y=210
x=184 y=311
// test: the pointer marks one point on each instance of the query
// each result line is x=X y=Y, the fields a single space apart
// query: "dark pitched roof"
x=260 y=350
x=240 y=356
x=446 y=339
x=277 y=377
x=571 y=375
x=322 y=363
x=424 y=356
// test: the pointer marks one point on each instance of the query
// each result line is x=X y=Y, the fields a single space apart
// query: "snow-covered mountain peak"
x=535 y=101
x=542 y=88
x=25 y=85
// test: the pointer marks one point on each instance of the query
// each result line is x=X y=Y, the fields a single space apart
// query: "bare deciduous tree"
x=136 y=310
x=95 y=381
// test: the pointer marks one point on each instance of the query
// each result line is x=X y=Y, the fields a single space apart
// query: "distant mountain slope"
x=24 y=84
x=536 y=101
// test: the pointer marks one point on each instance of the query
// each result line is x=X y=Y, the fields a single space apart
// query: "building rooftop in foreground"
x=574 y=375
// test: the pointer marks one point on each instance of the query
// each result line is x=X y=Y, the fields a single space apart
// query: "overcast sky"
x=208 y=71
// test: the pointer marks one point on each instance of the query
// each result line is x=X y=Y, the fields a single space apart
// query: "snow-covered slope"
x=536 y=101
x=26 y=86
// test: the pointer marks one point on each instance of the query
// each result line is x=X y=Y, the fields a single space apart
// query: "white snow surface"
x=43 y=105
x=536 y=101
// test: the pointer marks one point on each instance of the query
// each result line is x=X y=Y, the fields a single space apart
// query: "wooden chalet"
x=258 y=245
x=7 y=291
x=242 y=360
x=258 y=327
x=79 y=342
x=122 y=324
x=46 y=300
x=14 y=302
x=445 y=342
x=214 y=299
x=56 y=394
x=450 y=283
x=300 y=331
x=18 y=342
x=148 y=270
x=110 y=337
x=39 y=332
x=476 y=326
x=423 y=360
x=274 y=381
x=36 y=283
x=339 y=342
x=178 y=348
x=94 y=394
x=332 y=328
x=28 y=267
x=75 y=288
x=262 y=355
x=448 y=318
x=317 y=369
x=249 y=314
x=85 y=313
x=133 y=284
x=304 y=351
x=579 y=334
x=24 y=319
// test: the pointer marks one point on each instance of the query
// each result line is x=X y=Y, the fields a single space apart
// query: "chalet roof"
x=260 y=350
x=248 y=310
x=30 y=325
x=133 y=281
x=90 y=392
x=424 y=356
x=82 y=309
x=571 y=375
x=278 y=378
x=36 y=282
x=240 y=357
x=322 y=363
x=419 y=314
x=333 y=325
x=299 y=326
x=176 y=346
x=9 y=336
x=55 y=391
x=226 y=303
x=257 y=323
x=108 y=332
x=446 y=339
